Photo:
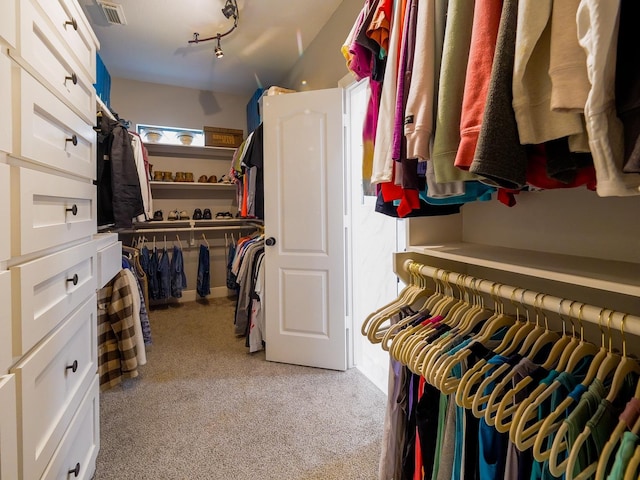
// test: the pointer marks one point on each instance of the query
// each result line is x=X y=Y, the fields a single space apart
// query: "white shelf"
x=189 y=151
x=608 y=275
x=191 y=186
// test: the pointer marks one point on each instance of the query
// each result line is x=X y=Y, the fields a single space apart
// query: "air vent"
x=113 y=12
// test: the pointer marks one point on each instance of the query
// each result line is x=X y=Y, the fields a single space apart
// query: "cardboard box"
x=222 y=137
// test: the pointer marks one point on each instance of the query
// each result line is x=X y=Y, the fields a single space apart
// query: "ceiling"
x=153 y=45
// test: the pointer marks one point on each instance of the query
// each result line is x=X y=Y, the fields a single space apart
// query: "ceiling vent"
x=113 y=12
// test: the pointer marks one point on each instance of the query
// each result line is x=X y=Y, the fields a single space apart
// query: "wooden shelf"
x=609 y=275
x=189 y=151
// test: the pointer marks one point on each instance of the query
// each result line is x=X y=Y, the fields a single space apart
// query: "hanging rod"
x=550 y=303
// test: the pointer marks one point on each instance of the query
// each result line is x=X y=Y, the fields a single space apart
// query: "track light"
x=218 y=50
x=229 y=10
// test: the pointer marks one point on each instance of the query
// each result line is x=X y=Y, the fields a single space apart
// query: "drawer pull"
x=73 y=367
x=73 y=210
x=73 y=139
x=74 y=24
x=73 y=279
x=73 y=78
x=75 y=471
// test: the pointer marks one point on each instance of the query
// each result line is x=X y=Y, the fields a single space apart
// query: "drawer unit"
x=5 y=103
x=51 y=382
x=5 y=212
x=78 y=450
x=47 y=290
x=49 y=210
x=5 y=322
x=8 y=430
x=53 y=63
x=50 y=133
x=70 y=23
x=109 y=261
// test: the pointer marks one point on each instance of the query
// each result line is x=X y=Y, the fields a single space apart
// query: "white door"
x=304 y=216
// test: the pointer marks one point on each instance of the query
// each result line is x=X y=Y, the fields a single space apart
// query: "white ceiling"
x=153 y=46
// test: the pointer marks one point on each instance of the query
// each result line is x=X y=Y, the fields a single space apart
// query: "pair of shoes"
x=224 y=215
x=202 y=179
x=157 y=216
x=224 y=179
x=176 y=215
x=200 y=215
x=213 y=179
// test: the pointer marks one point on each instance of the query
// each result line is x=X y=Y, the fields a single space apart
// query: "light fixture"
x=218 y=51
x=229 y=10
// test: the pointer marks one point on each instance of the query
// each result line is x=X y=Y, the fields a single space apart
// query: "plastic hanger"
x=523 y=432
x=501 y=390
x=633 y=468
x=559 y=446
x=445 y=380
x=472 y=383
x=614 y=441
x=179 y=242
x=624 y=368
x=204 y=238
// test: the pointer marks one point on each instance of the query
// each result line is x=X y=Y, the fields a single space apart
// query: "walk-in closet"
x=348 y=239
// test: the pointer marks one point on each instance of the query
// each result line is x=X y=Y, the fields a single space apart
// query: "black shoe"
x=207 y=214
x=197 y=214
x=157 y=216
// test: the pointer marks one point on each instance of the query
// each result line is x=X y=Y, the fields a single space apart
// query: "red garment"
x=537 y=172
x=486 y=20
x=418 y=471
x=380 y=26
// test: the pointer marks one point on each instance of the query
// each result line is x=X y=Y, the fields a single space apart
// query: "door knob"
x=75 y=471
x=73 y=367
x=270 y=241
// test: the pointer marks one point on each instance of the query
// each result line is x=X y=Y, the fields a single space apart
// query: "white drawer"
x=5 y=102
x=5 y=322
x=50 y=133
x=79 y=447
x=109 y=263
x=49 y=391
x=5 y=212
x=43 y=209
x=8 y=23
x=53 y=63
x=8 y=430
x=45 y=293
x=76 y=34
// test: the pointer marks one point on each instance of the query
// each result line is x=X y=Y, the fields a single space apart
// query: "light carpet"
x=204 y=408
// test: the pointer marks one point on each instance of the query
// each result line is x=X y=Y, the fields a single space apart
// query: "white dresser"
x=49 y=272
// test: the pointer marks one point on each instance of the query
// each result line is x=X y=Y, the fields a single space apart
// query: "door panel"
x=303 y=172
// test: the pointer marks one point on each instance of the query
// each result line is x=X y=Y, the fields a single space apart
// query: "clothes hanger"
x=559 y=448
x=179 y=242
x=471 y=383
x=404 y=350
x=475 y=317
x=633 y=468
x=446 y=381
x=502 y=410
x=397 y=333
x=503 y=375
x=614 y=439
x=382 y=321
x=204 y=239
x=414 y=284
x=526 y=434
x=626 y=367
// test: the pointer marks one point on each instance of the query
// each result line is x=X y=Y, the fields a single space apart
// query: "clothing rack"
x=621 y=321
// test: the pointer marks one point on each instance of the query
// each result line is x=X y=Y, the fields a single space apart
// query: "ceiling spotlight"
x=218 y=50
x=230 y=9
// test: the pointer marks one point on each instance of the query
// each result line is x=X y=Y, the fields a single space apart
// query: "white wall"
x=156 y=104
x=322 y=64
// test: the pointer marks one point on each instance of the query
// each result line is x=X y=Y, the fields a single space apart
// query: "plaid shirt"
x=116 y=333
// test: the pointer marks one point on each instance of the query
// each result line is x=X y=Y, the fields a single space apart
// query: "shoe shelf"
x=601 y=274
x=189 y=151
x=156 y=185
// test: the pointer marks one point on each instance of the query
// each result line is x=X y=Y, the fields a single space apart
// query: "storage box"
x=222 y=137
